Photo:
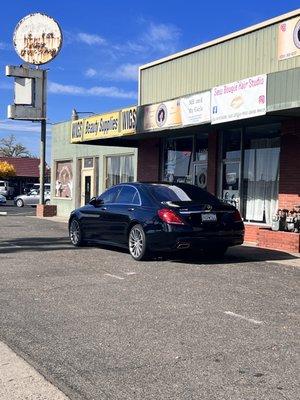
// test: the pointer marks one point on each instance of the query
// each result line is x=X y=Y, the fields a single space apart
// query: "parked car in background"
x=157 y=217
x=36 y=186
x=5 y=189
x=2 y=200
x=32 y=198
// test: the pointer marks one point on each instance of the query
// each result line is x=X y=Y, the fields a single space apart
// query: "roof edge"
x=222 y=39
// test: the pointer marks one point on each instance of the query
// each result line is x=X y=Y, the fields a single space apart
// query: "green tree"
x=10 y=148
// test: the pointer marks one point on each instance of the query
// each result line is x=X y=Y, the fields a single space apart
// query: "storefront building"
x=80 y=172
x=225 y=116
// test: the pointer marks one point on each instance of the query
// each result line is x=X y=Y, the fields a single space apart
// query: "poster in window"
x=64 y=179
x=289 y=39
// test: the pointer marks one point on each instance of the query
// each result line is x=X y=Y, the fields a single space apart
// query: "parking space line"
x=114 y=276
x=130 y=273
x=254 y=321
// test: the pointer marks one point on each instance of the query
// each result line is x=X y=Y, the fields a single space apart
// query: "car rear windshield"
x=181 y=192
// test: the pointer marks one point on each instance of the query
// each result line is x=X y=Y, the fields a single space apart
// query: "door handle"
x=131 y=209
x=104 y=208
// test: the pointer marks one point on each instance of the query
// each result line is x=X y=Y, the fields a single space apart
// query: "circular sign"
x=37 y=38
x=161 y=115
x=296 y=35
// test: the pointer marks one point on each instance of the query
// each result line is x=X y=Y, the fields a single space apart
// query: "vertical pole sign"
x=37 y=40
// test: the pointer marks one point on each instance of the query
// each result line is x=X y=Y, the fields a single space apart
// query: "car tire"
x=137 y=243
x=47 y=202
x=75 y=233
x=20 y=203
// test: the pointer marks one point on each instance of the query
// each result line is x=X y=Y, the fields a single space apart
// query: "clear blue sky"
x=105 y=41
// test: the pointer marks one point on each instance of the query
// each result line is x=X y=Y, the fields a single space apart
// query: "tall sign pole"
x=37 y=40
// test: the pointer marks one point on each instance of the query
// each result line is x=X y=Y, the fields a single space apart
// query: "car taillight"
x=237 y=216
x=170 y=217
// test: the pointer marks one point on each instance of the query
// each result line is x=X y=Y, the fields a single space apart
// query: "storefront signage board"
x=161 y=116
x=289 y=38
x=195 y=109
x=114 y=124
x=239 y=100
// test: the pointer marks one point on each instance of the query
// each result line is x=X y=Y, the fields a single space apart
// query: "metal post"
x=42 y=161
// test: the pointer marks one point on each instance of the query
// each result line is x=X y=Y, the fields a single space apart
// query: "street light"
x=75 y=113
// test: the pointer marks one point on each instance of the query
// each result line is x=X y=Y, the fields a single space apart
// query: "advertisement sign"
x=162 y=115
x=114 y=124
x=37 y=38
x=64 y=179
x=195 y=109
x=238 y=100
x=289 y=39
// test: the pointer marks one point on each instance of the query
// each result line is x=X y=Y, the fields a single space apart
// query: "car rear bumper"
x=173 y=241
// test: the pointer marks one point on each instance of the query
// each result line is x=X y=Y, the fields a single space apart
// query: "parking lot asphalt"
x=101 y=326
x=12 y=209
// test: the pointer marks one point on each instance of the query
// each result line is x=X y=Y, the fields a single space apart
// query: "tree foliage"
x=6 y=170
x=10 y=148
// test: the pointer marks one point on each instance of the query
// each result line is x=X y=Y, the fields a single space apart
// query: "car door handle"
x=104 y=208
x=131 y=209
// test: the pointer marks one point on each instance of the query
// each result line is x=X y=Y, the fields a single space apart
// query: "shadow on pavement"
x=35 y=244
x=238 y=254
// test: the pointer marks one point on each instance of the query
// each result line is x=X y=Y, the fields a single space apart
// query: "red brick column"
x=289 y=180
x=43 y=210
x=212 y=166
x=148 y=168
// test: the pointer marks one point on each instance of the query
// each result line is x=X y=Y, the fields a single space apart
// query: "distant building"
x=27 y=173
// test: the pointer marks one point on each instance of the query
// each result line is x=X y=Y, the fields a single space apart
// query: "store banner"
x=113 y=124
x=289 y=38
x=195 y=109
x=161 y=115
x=239 y=100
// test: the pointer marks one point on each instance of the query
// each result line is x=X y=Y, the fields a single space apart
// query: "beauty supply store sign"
x=190 y=110
x=102 y=126
x=289 y=39
x=239 y=100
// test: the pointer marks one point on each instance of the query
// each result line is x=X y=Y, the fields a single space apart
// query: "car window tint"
x=181 y=192
x=109 y=195
x=136 y=198
x=127 y=195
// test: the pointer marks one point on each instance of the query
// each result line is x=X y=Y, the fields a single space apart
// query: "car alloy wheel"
x=47 y=202
x=137 y=243
x=20 y=203
x=75 y=233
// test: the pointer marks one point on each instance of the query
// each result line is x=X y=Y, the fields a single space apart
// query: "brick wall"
x=148 y=168
x=45 y=210
x=212 y=166
x=289 y=181
x=251 y=233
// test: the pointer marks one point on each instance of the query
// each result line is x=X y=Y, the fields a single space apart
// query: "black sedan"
x=157 y=217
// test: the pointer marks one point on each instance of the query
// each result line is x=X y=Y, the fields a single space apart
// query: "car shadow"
x=237 y=254
x=35 y=244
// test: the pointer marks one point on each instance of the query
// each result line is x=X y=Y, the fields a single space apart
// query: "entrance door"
x=87 y=190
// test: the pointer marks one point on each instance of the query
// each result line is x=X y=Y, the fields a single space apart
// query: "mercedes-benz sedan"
x=157 y=217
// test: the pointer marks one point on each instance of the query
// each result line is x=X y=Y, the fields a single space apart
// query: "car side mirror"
x=96 y=202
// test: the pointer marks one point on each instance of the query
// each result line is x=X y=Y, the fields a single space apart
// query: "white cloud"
x=162 y=37
x=90 y=39
x=125 y=72
x=5 y=46
x=90 y=72
x=101 y=91
x=20 y=126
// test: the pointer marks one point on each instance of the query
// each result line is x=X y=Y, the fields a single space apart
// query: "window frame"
x=128 y=204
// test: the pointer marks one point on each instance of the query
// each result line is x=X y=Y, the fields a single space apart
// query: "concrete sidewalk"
x=20 y=381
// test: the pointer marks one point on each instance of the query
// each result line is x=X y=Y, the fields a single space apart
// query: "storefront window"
x=261 y=173
x=178 y=157
x=250 y=172
x=119 y=169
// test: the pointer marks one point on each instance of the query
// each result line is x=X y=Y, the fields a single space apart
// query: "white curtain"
x=261 y=178
x=119 y=170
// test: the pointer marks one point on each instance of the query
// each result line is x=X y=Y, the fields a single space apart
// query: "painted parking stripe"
x=114 y=276
x=254 y=321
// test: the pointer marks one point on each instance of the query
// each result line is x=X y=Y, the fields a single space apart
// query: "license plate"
x=209 y=217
